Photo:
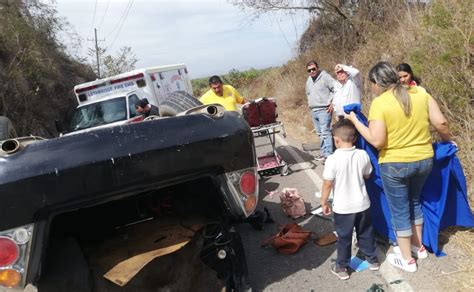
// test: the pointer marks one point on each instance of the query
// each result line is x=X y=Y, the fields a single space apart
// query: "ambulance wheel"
x=177 y=102
x=7 y=130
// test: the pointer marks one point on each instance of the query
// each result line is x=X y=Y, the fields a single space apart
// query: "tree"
x=337 y=15
x=111 y=65
x=123 y=62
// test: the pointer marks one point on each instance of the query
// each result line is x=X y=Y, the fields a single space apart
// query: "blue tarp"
x=444 y=196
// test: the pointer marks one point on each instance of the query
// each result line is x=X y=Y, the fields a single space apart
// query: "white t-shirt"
x=348 y=92
x=346 y=167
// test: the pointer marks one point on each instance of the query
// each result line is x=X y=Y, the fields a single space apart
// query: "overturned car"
x=144 y=206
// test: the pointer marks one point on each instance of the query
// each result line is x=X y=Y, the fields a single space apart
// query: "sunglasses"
x=312 y=70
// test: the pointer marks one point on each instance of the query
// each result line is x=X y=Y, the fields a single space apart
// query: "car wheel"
x=177 y=102
x=7 y=130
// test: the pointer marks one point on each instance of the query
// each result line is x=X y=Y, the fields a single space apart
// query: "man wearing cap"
x=320 y=87
x=225 y=95
x=145 y=109
x=347 y=89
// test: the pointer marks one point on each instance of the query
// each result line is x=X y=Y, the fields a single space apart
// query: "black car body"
x=100 y=169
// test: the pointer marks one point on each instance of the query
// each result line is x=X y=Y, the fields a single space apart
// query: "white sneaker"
x=419 y=252
x=397 y=261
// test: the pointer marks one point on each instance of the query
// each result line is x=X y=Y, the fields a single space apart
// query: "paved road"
x=308 y=270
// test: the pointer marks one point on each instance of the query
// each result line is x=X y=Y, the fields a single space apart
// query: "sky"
x=210 y=37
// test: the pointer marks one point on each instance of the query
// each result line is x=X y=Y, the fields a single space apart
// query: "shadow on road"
x=266 y=265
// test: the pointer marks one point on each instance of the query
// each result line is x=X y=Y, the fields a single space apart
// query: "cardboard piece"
x=326 y=239
x=124 y=271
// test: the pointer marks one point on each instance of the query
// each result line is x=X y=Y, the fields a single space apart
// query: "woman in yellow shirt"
x=399 y=120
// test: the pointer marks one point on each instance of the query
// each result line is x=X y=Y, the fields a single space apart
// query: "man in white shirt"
x=348 y=88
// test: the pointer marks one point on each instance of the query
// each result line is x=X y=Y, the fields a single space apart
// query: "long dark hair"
x=386 y=76
x=407 y=68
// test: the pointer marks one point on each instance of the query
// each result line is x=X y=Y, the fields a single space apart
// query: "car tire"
x=7 y=130
x=177 y=102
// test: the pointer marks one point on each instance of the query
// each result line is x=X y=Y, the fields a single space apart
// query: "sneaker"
x=340 y=272
x=374 y=266
x=320 y=158
x=397 y=261
x=419 y=252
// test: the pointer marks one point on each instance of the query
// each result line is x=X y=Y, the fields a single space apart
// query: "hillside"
x=436 y=40
x=37 y=75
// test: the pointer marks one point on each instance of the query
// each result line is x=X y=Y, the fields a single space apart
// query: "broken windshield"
x=100 y=113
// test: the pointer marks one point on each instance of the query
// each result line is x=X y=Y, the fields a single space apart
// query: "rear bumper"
x=86 y=169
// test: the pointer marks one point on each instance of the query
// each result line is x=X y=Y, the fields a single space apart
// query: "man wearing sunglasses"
x=320 y=87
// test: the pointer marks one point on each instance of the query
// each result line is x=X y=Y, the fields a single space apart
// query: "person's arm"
x=368 y=166
x=375 y=134
x=351 y=71
x=325 y=191
x=238 y=97
x=331 y=84
x=438 y=120
x=203 y=97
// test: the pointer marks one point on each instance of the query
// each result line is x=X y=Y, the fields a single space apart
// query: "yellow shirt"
x=408 y=137
x=228 y=100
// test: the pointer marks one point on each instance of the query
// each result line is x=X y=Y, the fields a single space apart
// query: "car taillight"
x=15 y=247
x=243 y=185
x=247 y=183
x=8 y=251
x=10 y=278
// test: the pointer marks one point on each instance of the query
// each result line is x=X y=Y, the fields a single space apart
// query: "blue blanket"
x=444 y=197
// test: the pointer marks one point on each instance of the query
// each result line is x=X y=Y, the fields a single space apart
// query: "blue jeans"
x=322 y=124
x=402 y=184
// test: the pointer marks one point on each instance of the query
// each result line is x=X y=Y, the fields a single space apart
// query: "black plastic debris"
x=257 y=219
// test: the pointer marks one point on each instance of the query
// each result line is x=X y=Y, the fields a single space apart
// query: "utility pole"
x=97 y=52
x=96 y=41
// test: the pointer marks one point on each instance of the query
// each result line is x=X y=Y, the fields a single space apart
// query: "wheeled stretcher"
x=261 y=115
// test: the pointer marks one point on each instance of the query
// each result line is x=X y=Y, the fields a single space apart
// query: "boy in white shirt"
x=344 y=174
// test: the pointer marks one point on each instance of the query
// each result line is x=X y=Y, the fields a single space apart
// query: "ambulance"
x=111 y=101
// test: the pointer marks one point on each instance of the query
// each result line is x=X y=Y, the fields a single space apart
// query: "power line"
x=93 y=19
x=121 y=25
x=120 y=19
x=281 y=30
x=105 y=14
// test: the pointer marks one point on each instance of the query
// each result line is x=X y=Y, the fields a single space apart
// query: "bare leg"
x=417 y=235
x=404 y=244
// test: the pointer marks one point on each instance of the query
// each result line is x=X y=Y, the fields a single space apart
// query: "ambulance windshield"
x=100 y=113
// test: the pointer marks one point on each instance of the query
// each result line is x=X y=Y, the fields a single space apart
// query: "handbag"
x=289 y=240
x=292 y=203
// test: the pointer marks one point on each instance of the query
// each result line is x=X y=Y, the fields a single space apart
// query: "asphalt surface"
x=309 y=268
